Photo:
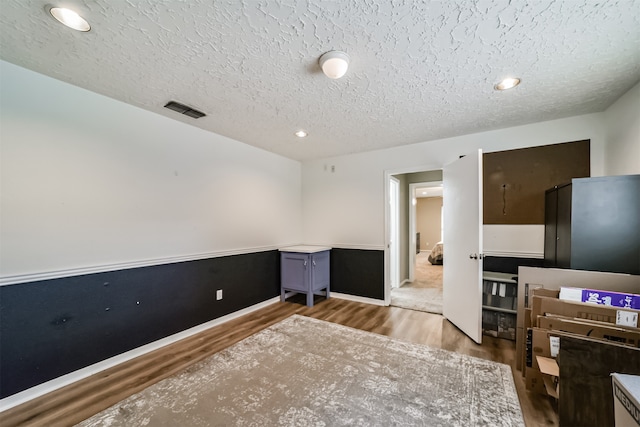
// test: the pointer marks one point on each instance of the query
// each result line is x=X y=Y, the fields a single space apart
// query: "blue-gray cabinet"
x=304 y=269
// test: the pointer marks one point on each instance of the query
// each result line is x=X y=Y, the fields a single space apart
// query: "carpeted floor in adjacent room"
x=425 y=292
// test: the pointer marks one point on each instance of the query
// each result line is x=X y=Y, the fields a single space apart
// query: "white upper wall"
x=346 y=207
x=622 y=121
x=88 y=181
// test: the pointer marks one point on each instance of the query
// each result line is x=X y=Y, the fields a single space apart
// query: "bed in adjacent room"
x=435 y=257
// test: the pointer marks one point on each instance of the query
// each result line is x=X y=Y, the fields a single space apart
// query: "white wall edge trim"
x=46 y=275
x=56 y=383
x=538 y=255
x=356 y=246
x=358 y=299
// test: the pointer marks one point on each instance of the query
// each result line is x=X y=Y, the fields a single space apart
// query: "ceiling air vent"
x=183 y=109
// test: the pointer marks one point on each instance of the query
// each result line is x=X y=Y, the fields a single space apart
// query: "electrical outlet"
x=218 y=294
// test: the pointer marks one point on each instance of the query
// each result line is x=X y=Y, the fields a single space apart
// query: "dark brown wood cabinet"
x=594 y=224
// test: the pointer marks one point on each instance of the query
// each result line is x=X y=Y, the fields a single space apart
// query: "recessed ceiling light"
x=70 y=18
x=301 y=134
x=507 y=83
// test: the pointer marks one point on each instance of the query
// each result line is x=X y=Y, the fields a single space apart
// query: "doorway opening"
x=423 y=290
x=412 y=280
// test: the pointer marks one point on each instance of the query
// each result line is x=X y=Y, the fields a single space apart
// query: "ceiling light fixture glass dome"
x=508 y=83
x=70 y=18
x=334 y=64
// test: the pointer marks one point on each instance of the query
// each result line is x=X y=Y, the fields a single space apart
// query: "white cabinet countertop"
x=305 y=249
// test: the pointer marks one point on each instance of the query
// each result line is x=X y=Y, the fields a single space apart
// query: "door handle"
x=473 y=256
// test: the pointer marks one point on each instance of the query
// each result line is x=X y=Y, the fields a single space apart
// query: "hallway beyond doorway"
x=425 y=292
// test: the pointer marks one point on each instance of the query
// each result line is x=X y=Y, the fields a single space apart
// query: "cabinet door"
x=550 y=227
x=320 y=270
x=605 y=224
x=295 y=271
x=563 y=231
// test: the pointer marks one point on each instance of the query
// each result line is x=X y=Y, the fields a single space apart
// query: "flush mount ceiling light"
x=508 y=83
x=301 y=133
x=70 y=18
x=334 y=64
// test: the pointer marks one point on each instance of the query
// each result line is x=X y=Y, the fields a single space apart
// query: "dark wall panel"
x=499 y=264
x=53 y=327
x=514 y=181
x=358 y=272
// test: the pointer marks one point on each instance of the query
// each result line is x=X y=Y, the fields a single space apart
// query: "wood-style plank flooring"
x=87 y=397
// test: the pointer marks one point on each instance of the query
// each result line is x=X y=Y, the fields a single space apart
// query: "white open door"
x=462 y=245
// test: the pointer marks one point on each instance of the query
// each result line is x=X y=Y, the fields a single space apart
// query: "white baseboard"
x=56 y=383
x=358 y=299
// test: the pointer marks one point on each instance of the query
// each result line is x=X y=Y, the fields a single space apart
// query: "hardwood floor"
x=84 y=398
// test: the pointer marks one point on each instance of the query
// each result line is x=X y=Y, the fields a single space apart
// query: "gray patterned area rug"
x=307 y=372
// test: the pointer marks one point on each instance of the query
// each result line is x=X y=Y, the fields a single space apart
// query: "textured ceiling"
x=419 y=70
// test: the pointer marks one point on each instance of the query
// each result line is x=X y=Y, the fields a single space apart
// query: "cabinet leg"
x=327 y=292
x=282 y=295
x=309 y=299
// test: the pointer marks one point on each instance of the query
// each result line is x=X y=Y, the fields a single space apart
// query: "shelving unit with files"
x=499 y=304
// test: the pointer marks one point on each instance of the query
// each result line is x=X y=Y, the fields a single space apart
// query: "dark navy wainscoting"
x=52 y=327
x=358 y=272
x=500 y=264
